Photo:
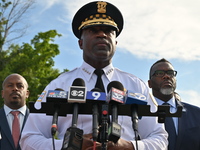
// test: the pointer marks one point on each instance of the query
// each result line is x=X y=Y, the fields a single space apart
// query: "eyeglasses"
x=161 y=73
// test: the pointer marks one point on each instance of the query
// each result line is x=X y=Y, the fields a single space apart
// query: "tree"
x=34 y=61
x=11 y=15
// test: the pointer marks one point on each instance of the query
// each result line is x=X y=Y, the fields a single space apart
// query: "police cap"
x=97 y=13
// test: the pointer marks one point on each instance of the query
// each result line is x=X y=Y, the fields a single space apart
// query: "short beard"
x=167 y=91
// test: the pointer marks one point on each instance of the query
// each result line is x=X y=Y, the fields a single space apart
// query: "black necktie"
x=170 y=128
x=99 y=82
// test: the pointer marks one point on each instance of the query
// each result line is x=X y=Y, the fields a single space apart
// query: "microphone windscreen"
x=115 y=84
x=59 y=89
x=78 y=82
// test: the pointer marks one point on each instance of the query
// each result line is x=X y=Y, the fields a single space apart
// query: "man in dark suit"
x=15 y=92
x=162 y=80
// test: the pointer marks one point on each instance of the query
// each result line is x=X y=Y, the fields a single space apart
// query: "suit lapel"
x=25 y=118
x=181 y=125
x=5 y=128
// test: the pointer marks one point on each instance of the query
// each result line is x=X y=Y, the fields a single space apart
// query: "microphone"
x=95 y=115
x=95 y=96
x=56 y=96
x=115 y=92
x=73 y=137
x=135 y=99
x=116 y=96
x=77 y=92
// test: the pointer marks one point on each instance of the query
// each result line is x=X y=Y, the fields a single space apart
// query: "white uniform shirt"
x=37 y=131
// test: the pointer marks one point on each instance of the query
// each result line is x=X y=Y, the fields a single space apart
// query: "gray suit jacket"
x=6 y=142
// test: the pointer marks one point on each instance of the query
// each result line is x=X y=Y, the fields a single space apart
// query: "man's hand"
x=120 y=145
x=88 y=143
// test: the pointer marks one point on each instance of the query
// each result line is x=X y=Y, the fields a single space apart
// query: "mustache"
x=102 y=41
x=168 y=81
x=15 y=93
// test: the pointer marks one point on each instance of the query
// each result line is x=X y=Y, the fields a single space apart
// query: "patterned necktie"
x=170 y=128
x=15 y=127
x=99 y=82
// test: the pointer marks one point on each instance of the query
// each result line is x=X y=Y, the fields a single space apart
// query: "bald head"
x=15 y=91
x=15 y=75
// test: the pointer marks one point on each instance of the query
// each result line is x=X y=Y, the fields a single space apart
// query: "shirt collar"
x=109 y=71
x=171 y=101
x=88 y=71
x=8 y=110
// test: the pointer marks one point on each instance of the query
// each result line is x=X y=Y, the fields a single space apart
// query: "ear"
x=80 y=43
x=27 y=93
x=149 y=83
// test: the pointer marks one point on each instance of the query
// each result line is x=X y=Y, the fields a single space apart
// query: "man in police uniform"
x=96 y=25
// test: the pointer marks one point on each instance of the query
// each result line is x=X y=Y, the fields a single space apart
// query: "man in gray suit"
x=15 y=92
x=162 y=80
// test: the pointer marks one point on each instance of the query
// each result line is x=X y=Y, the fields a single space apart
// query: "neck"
x=99 y=65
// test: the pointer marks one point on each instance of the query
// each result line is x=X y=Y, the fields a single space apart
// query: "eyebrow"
x=14 y=83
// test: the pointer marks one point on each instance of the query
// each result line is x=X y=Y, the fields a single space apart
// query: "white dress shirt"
x=173 y=109
x=10 y=117
x=37 y=131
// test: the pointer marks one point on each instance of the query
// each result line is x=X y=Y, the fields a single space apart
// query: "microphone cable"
x=94 y=145
x=53 y=142
x=55 y=121
x=134 y=115
x=136 y=139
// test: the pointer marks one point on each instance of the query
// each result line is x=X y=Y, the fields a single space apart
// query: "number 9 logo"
x=96 y=95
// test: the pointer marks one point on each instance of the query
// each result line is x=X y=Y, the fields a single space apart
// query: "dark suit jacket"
x=188 y=128
x=6 y=142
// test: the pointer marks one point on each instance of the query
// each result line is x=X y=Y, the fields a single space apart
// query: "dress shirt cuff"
x=139 y=143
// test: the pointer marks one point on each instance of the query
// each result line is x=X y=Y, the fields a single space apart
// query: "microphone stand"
x=75 y=114
x=142 y=110
x=54 y=124
x=114 y=129
x=54 y=121
x=134 y=117
x=73 y=136
x=104 y=126
x=114 y=113
x=95 y=122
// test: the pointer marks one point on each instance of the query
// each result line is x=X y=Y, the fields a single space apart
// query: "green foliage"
x=33 y=61
x=12 y=12
x=3 y=21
